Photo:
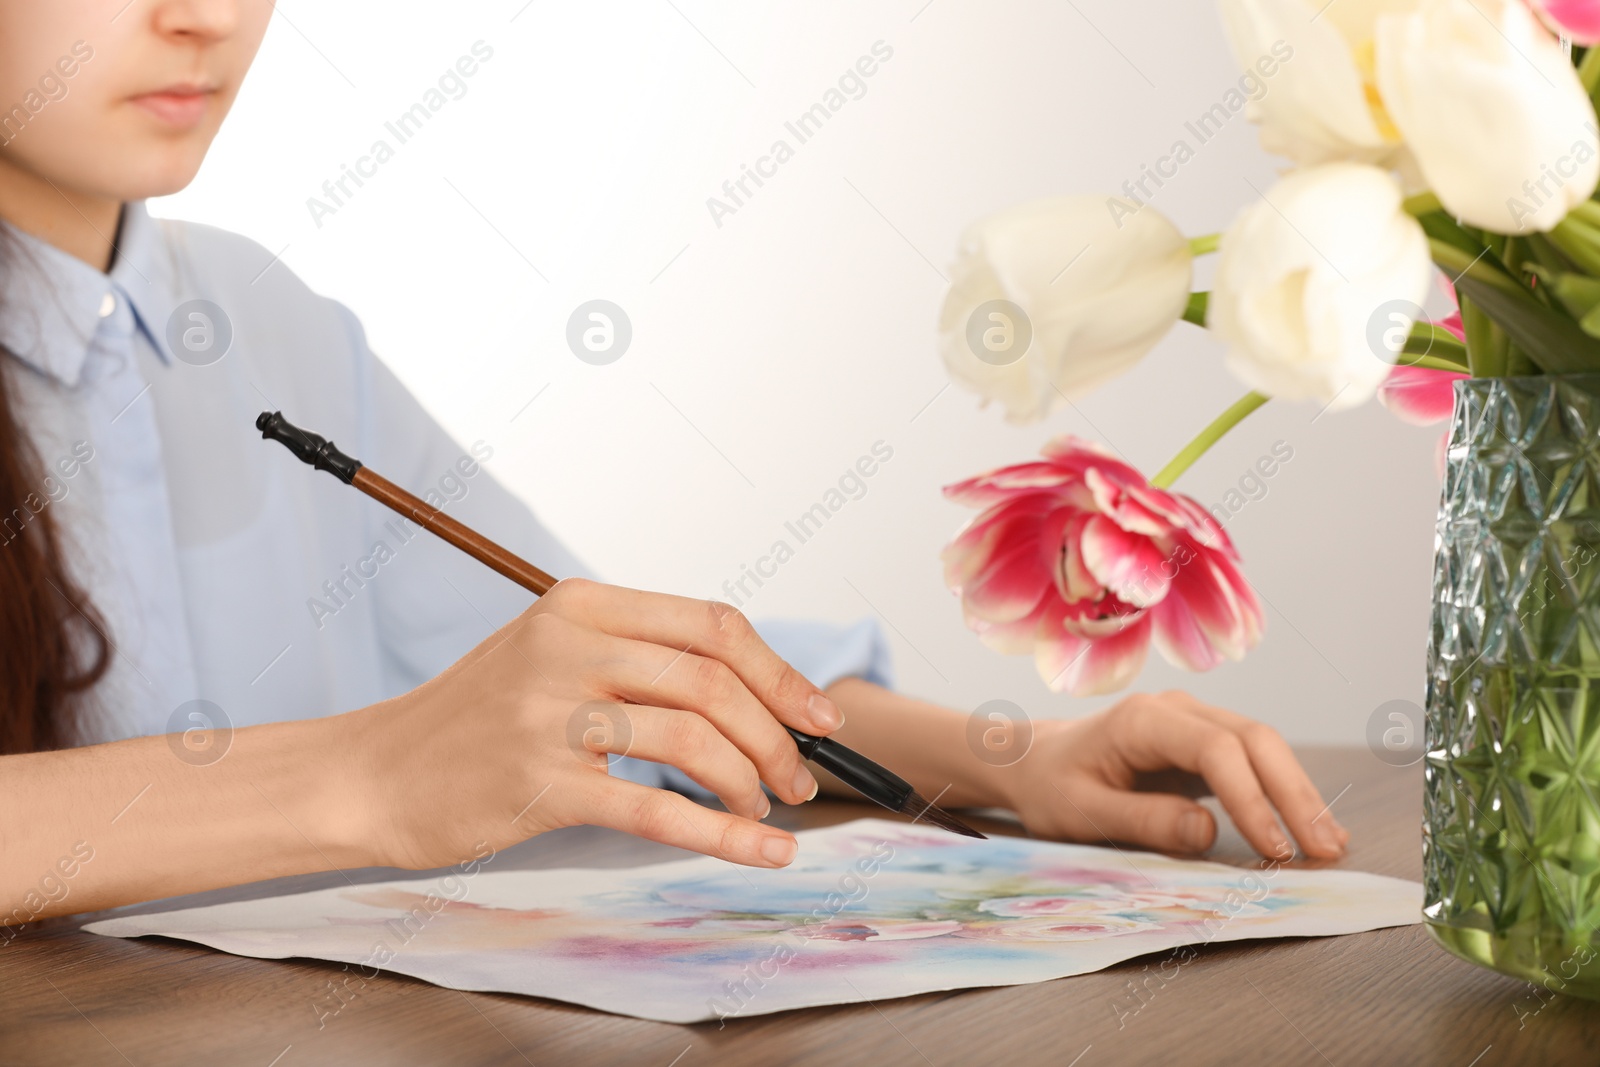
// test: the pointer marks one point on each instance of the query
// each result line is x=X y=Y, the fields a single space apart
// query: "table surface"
x=1389 y=996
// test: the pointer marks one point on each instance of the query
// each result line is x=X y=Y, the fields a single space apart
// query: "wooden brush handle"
x=324 y=455
x=463 y=537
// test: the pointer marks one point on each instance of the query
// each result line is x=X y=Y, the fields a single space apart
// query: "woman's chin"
x=155 y=171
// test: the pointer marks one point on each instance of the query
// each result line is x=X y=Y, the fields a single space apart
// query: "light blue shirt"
x=228 y=571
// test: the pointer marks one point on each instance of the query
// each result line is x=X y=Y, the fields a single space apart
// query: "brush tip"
x=923 y=810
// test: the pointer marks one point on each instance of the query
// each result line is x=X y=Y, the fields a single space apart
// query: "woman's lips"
x=182 y=107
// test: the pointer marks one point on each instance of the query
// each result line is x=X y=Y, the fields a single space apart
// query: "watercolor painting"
x=869 y=910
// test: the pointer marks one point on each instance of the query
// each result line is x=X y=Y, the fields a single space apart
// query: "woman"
x=166 y=578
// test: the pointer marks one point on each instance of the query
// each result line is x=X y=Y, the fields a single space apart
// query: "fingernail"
x=805 y=785
x=778 y=851
x=1194 y=832
x=766 y=807
x=1331 y=841
x=824 y=713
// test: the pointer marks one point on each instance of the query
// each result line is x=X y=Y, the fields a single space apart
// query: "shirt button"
x=108 y=304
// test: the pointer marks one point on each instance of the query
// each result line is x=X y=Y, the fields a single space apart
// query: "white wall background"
x=771 y=352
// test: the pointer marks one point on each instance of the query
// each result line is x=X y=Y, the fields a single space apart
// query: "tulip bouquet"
x=1423 y=136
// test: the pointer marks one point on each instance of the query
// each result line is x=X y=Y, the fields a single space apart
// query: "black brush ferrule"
x=877 y=784
x=311 y=448
x=806 y=743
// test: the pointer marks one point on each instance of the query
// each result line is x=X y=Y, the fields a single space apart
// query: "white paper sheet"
x=869 y=910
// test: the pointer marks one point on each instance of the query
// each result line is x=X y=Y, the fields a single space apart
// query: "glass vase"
x=1511 y=809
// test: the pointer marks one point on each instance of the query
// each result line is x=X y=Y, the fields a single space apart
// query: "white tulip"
x=1492 y=111
x=1051 y=298
x=1318 y=103
x=1312 y=284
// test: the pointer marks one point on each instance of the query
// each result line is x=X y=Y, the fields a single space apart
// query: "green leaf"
x=1552 y=340
x=1435 y=347
x=1590 y=323
x=1548 y=255
x=1547 y=336
x=1442 y=228
x=1578 y=293
x=1477 y=261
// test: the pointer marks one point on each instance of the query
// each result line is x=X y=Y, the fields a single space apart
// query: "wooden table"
x=1387 y=997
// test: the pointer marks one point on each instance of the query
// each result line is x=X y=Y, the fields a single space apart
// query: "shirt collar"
x=51 y=303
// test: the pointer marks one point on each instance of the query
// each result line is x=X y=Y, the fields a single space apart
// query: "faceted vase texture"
x=1511 y=818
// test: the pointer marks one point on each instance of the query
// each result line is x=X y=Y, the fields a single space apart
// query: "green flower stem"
x=1519 y=364
x=1589 y=70
x=1484 y=342
x=1588 y=212
x=1579 y=240
x=1195 y=310
x=1517 y=255
x=1200 y=246
x=1206 y=438
x=1421 y=204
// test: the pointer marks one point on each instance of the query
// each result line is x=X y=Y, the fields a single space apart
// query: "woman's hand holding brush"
x=512 y=739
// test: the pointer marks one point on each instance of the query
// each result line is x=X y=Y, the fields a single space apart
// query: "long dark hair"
x=53 y=646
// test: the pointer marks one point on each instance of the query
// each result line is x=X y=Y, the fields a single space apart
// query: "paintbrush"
x=876 y=783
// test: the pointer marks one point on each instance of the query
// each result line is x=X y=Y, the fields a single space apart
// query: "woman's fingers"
x=676 y=820
x=585 y=661
x=651 y=674
x=688 y=742
x=1285 y=781
x=1155 y=733
x=709 y=629
x=1154 y=820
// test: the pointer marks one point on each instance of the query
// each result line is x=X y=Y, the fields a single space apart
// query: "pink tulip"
x=1419 y=395
x=1080 y=561
x=1452 y=321
x=1577 y=20
x=1423 y=396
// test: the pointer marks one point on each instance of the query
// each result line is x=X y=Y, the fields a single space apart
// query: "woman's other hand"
x=1078 y=780
x=1081 y=779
